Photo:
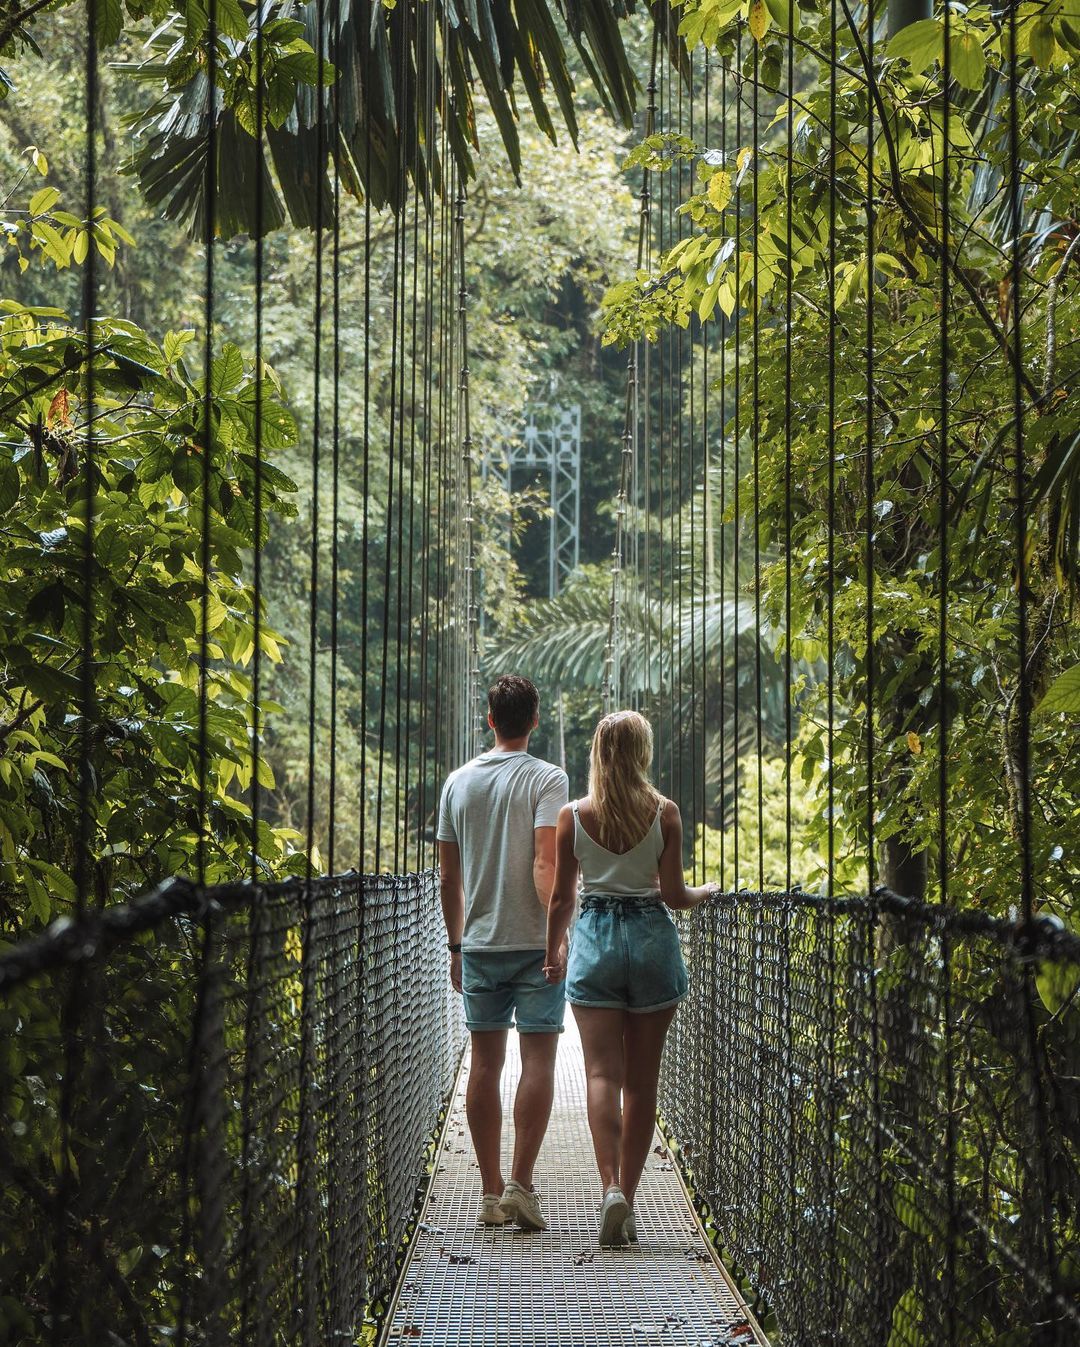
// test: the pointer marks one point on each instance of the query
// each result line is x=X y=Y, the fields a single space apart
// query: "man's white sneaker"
x=523 y=1206
x=490 y=1211
x=613 y=1213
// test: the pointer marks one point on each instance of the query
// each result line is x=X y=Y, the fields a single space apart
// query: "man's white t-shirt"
x=490 y=808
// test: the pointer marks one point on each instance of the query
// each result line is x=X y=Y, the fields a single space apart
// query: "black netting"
x=878 y=1103
x=254 y=1079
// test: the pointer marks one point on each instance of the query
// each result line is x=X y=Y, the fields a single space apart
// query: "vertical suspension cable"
x=1023 y=695
x=251 y=1191
x=393 y=440
x=365 y=578
x=737 y=472
x=58 y=1288
x=408 y=622
x=724 y=530
x=443 y=617
x=663 y=346
x=789 y=204
x=706 y=524
x=308 y=1268
x=945 y=936
x=683 y=337
x=401 y=783
x=755 y=446
x=613 y=668
x=786 y=914
x=342 y=1248
x=1023 y=691
x=209 y=230
x=426 y=498
x=870 y=953
x=316 y=463
x=335 y=442
x=871 y=227
x=194 y=1102
x=647 y=416
x=471 y=614
x=441 y=574
x=84 y=841
x=833 y=1302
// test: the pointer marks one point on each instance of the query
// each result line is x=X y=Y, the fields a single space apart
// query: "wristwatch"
x=455 y=949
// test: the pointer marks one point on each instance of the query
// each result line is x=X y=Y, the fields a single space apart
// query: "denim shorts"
x=501 y=985
x=625 y=955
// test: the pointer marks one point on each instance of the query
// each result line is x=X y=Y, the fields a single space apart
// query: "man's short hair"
x=513 y=702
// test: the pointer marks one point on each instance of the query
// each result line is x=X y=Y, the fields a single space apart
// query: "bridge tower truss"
x=550 y=439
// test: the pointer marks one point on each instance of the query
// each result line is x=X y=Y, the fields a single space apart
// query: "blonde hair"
x=623 y=798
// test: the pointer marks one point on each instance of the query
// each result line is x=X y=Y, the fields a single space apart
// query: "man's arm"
x=553 y=796
x=543 y=863
x=453 y=903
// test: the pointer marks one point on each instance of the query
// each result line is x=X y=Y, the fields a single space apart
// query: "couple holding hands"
x=515 y=860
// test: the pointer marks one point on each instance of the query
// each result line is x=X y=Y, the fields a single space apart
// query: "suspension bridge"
x=231 y=1101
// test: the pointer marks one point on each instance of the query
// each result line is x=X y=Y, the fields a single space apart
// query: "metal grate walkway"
x=465 y=1286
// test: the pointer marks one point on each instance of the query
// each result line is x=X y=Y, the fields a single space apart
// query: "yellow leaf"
x=719 y=190
x=914 y=743
x=760 y=19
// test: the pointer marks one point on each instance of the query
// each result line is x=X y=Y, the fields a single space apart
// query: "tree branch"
x=16 y=21
x=1051 y=316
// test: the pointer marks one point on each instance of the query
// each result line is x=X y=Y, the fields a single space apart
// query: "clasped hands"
x=555 y=969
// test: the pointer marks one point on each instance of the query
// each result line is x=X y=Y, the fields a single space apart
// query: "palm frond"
x=390 y=65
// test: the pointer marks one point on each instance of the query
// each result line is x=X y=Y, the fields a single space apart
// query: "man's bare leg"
x=532 y=1103
x=483 y=1104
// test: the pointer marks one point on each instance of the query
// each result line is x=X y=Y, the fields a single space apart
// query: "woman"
x=625 y=975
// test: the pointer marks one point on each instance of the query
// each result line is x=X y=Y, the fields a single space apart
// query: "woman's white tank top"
x=631 y=874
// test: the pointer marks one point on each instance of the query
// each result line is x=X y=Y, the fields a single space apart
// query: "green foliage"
x=731 y=260
x=130 y=447
x=55 y=237
x=761 y=849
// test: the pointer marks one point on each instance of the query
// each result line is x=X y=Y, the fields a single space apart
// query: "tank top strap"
x=579 y=831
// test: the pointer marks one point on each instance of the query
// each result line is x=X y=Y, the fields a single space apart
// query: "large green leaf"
x=1063 y=693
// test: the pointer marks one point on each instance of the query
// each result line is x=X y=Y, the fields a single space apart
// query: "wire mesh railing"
x=878 y=1105
x=248 y=1080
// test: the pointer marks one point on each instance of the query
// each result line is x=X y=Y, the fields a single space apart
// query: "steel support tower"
x=550 y=439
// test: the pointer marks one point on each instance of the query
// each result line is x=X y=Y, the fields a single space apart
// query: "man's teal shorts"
x=502 y=987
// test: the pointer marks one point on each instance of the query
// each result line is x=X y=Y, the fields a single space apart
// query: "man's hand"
x=555 y=969
x=455 y=972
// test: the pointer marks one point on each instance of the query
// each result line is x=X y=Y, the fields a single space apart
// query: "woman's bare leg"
x=643 y=1040
x=602 y=1040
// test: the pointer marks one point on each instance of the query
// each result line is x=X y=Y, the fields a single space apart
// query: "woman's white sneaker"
x=490 y=1211
x=522 y=1205
x=613 y=1213
x=629 y=1228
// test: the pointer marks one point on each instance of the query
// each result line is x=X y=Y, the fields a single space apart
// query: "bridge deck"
x=465 y=1286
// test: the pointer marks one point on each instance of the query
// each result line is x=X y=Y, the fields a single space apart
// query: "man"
x=496 y=836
